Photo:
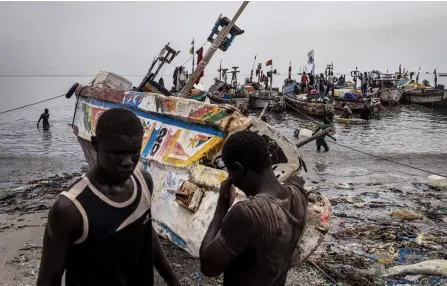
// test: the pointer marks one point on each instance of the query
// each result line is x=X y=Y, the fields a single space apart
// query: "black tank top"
x=115 y=248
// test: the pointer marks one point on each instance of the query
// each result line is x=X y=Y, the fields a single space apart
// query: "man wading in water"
x=44 y=117
x=253 y=242
x=99 y=231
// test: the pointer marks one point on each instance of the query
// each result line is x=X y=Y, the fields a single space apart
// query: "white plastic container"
x=437 y=182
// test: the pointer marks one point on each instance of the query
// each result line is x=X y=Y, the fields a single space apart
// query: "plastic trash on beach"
x=437 y=182
x=429 y=267
x=407 y=215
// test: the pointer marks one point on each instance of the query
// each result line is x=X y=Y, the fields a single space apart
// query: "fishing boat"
x=389 y=93
x=308 y=106
x=356 y=101
x=181 y=150
x=424 y=96
x=351 y=121
x=222 y=93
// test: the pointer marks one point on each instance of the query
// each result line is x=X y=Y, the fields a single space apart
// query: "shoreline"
x=364 y=239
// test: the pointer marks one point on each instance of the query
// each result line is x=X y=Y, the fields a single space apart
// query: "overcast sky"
x=121 y=37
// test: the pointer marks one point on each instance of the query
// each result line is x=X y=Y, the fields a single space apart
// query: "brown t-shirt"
x=263 y=232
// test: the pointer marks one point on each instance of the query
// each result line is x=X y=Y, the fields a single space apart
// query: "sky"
x=123 y=37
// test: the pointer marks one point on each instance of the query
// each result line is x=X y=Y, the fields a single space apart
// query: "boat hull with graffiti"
x=310 y=108
x=181 y=150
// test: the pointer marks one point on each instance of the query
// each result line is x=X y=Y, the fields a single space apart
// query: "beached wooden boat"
x=259 y=98
x=181 y=150
x=424 y=96
x=353 y=121
x=318 y=109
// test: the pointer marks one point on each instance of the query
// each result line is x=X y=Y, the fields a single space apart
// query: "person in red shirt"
x=304 y=80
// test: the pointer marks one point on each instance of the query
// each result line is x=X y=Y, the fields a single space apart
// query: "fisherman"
x=331 y=80
x=304 y=81
x=347 y=113
x=253 y=242
x=44 y=117
x=364 y=83
x=322 y=82
x=321 y=140
x=311 y=81
x=341 y=81
x=366 y=112
x=100 y=230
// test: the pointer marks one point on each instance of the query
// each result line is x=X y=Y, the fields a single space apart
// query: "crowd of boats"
x=185 y=127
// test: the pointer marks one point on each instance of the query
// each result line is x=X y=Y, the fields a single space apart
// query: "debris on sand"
x=407 y=215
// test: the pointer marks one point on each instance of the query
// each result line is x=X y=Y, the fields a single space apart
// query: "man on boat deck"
x=347 y=113
x=322 y=82
x=364 y=83
x=304 y=80
x=99 y=231
x=321 y=140
x=253 y=242
x=331 y=80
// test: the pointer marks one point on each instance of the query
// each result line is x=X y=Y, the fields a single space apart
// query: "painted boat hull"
x=181 y=150
x=353 y=121
x=424 y=97
x=314 y=109
x=390 y=96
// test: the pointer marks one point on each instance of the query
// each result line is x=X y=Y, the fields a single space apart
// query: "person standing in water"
x=321 y=141
x=44 y=117
x=100 y=230
x=253 y=242
x=347 y=113
x=366 y=112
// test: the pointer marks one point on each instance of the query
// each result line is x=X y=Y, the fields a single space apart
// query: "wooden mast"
x=210 y=52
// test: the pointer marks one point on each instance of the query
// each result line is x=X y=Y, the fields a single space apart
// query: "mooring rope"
x=6 y=111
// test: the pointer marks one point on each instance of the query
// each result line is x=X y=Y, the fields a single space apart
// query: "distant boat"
x=424 y=96
x=442 y=74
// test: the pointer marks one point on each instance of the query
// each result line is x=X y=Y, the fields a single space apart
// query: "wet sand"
x=364 y=192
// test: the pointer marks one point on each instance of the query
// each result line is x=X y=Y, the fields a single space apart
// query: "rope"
x=6 y=111
x=385 y=159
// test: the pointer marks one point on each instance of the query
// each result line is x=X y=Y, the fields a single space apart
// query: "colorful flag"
x=191 y=51
x=269 y=63
x=199 y=58
x=310 y=55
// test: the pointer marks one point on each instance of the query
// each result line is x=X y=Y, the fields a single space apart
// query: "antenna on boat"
x=290 y=70
x=251 y=74
x=234 y=76
x=167 y=54
x=221 y=42
x=224 y=75
x=220 y=69
x=417 y=76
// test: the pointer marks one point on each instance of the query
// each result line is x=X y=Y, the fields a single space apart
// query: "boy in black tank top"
x=99 y=231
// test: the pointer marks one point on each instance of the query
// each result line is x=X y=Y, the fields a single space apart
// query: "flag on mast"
x=269 y=63
x=310 y=56
x=191 y=51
